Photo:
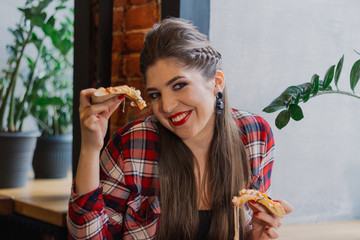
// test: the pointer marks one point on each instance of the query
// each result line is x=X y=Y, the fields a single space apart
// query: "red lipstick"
x=182 y=121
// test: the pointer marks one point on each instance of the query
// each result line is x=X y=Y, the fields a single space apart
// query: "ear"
x=219 y=81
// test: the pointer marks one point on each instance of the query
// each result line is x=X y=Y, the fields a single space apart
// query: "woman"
x=173 y=175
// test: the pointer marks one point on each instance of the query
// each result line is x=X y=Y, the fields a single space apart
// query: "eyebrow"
x=168 y=83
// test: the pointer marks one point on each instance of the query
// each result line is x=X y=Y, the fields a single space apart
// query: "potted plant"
x=290 y=98
x=52 y=110
x=20 y=80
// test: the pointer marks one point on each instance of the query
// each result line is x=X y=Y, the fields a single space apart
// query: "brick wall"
x=132 y=19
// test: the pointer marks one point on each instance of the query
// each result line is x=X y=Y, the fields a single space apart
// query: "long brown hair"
x=227 y=169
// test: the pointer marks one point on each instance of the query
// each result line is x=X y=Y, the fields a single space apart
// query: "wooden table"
x=43 y=202
x=41 y=199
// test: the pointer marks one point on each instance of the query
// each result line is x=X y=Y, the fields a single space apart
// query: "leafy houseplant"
x=52 y=105
x=25 y=77
x=35 y=29
x=52 y=110
x=52 y=96
x=290 y=98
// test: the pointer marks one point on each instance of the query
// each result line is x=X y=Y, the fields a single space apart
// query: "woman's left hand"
x=265 y=224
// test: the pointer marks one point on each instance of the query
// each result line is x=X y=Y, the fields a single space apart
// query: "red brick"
x=117 y=65
x=118 y=43
x=119 y=3
x=132 y=66
x=139 y=2
x=134 y=42
x=116 y=81
x=118 y=19
x=141 y=17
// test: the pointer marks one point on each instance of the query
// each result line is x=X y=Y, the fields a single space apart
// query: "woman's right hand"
x=94 y=119
x=94 y=122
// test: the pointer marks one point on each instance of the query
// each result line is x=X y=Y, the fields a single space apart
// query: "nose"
x=167 y=103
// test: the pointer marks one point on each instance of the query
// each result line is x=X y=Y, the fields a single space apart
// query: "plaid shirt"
x=126 y=204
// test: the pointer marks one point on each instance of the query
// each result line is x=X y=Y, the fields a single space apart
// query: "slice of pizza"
x=103 y=94
x=260 y=197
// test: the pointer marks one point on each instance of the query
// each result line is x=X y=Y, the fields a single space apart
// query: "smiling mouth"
x=180 y=118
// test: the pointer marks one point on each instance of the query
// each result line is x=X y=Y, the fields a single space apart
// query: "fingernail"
x=252 y=201
x=98 y=116
x=121 y=97
x=256 y=213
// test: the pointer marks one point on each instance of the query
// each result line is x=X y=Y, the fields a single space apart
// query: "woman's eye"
x=179 y=85
x=153 y=95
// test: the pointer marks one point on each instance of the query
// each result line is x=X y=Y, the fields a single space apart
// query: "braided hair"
x=179 y=39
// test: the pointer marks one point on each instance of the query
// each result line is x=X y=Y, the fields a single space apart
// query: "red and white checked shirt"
x=126 y=204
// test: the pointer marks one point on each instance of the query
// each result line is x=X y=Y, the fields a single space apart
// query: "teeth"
x=179 y=118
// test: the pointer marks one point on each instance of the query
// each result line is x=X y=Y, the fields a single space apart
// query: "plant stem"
x=55 y=122
x=13 y=79
x=28 y=86
x=11 y=123
x=337 y=92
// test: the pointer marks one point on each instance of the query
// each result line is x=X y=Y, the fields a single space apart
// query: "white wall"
x=270 y=45
x=10 y=16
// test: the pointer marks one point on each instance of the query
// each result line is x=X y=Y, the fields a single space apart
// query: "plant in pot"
x=52 y=105
x=52 y=110
x=289 y=99
x=19 y=80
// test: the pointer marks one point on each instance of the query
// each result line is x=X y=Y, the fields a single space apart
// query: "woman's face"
x=182 y=99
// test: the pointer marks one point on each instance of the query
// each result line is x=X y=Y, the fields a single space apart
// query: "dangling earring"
x=219 y=104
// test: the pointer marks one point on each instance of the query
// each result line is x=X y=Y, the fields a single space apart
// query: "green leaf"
x=338 y=70
x=65 y=46
x=37 y=20
x=28 y=14
x=329 y=76
x=18 y=34
x=34 y=37
x=60 y=7
x=51 y=21
x=355 y=75
x=11 y=51
x=296 y=112
x=47 y=29
x=307 y=95
x=49 y=101
x=30 y=62
x=275 y=105
x=56 y=39
x=282 y=119
x=306 y=89
x=315 y=84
